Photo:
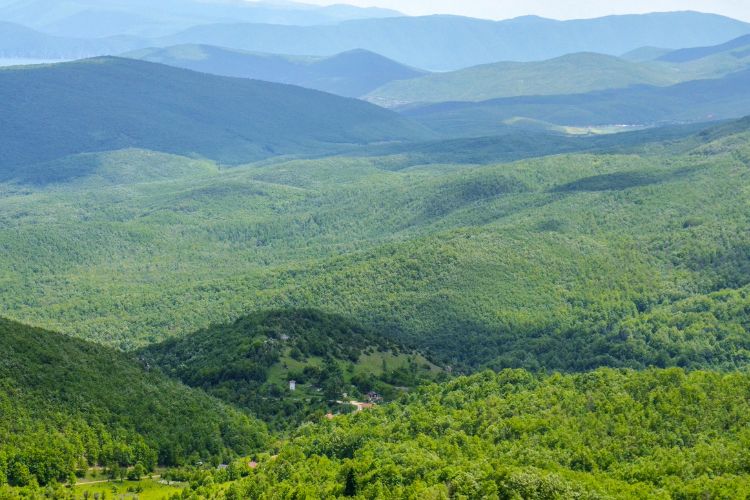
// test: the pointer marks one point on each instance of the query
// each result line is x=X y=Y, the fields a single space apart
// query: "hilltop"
x=569 y=74
x=250 y=362
x=351 y=74
x=114 y=103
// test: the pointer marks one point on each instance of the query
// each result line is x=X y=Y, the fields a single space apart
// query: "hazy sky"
x=557 y=9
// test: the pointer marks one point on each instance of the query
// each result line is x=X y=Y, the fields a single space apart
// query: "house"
x=329 y=416
x=292 y=385
x=362 y=406
x=252 y=464
x=374 y=397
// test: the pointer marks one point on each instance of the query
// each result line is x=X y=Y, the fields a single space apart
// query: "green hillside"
x=604 y=434
x=68 y=404
x=570 y=74
x=350 y=74
x=113 y=103
x=545 y=263
x=692 y=101
x=250 y=363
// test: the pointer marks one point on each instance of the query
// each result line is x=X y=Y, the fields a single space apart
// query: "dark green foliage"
x=250 y=362
x=112 y=103
x=352 y=74
x=66 y=404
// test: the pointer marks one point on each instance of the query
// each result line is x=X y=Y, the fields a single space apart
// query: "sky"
x=556 y=9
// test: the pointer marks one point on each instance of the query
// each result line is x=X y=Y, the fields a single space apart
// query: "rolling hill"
x=20 y=42
x=570 y=74
x=737 y=47
x=75 y=404
x=113 y=103
x=565 y=262
x=350 y=74
x=692 y=101
x=100 y=18
x=450 y=43
x=250 y=362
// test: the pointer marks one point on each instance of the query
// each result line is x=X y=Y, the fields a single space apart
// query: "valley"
x=279 y=250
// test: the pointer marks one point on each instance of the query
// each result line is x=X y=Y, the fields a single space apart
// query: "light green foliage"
x=603 y=434
x=536 y=264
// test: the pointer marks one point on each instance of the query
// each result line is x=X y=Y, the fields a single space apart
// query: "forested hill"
x=692 y=101
x=569 y=74
x=250 y=362
x=69 y=404
x=604 y=434
x=352 y=74
x=113 y=103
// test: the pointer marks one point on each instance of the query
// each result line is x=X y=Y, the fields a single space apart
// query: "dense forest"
x=604 y=434
x=524 y=279
x=67 y=405
x=251 y=362
x=561 y=262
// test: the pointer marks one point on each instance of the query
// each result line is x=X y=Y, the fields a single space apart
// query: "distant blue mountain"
x=693 y=54
x=431 y=42
x=694 y=101
x=100 y=18
x=107 y=104
x=449 y=42
x=351 y=74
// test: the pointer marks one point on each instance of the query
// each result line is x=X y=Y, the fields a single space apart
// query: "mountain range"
x=436 y=43
x=351 y=74
x=447 y=42
x=102 y=18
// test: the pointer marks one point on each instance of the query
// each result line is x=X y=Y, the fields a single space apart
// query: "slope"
x=605 y=434
x=68 y=404
x=693 y=101
x=570 y=74
x=350 y=74
x=695 y=53
x=540 y=264
x=250 y=363
x=450 y=43
x=113 y=103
